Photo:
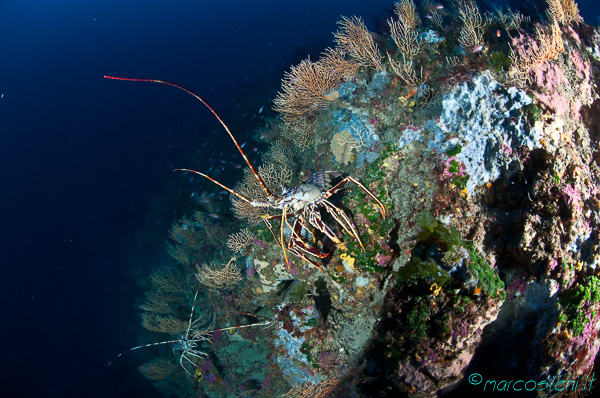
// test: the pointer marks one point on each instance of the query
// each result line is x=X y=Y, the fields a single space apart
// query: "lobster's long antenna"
x=142 y=346
x=258 y=177
x=245 y=199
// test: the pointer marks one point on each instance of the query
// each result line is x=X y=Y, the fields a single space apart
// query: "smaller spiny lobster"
x=188 y=345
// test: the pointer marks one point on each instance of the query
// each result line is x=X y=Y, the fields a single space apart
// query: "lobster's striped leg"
x=342 y=218
x=348 y=179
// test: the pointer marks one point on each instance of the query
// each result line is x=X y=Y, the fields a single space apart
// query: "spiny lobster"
x=188 y=343
x=302 y=203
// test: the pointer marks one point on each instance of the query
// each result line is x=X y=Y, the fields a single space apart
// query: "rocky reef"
x=479 y=134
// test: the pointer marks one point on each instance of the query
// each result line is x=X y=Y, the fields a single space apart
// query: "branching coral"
x=158 y=369
x=185 y=238
x=526 y=57
x=342 y=145
x=188 y=236
x=406 y=12
x=335 y=62
x=510 y=20
x=219 y=276
x=405 y=71
x=309 y=390
x=299 y=131
x=473 y=25
x=447 y=291
x=564 y=11
x=163 y=323
x=281 y=154
x=433 y=12
x=303 y=90
x=403 y=30
x=308 y=86
x=354 y=38
x=275 y=177
x=405 y=38
x=168 y=286
x=239 y=241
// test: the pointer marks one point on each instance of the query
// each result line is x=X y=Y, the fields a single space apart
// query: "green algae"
x=499 y=61
x=298 y=291
x=577 y=302
x=427 y=269
x=488 y=279
x=444 y=247
x=369 y=215
x=417 y=319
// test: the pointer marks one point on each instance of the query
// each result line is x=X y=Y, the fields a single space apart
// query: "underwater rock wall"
x=467 y=243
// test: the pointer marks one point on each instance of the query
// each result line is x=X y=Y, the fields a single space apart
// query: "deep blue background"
x=86 y=188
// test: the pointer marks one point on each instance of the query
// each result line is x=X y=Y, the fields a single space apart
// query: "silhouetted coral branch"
x=219 y=276
x=354 y=39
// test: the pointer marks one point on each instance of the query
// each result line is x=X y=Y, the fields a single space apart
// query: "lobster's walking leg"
x=283 y=222
x=348 y=179
x=341 y=217
x=314 y=218
x=295 y=243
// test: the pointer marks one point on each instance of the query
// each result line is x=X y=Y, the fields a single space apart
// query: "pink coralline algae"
x=327 y=360
x=560 y=104
x=569 y=31
x=448 y=166
x=524 y=45
x=549 y=76
x=381 y=259
x=576 y=109
x=517 y=286
x=216 y=338
x=210 y=378
x=582 y=68
x=585 y=343
x=260 y=243
x=571 y=194
x=206 y=366
x=573 y=197
x=410 y=127
x=293 y=270
x=506 y=149
x=362 y=219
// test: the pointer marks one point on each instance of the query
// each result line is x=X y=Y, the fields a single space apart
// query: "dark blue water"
x=86 y=185
x=87 y=192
